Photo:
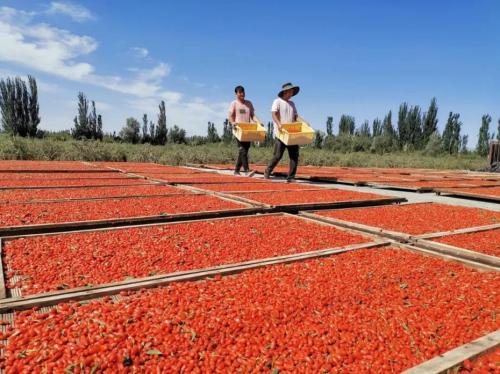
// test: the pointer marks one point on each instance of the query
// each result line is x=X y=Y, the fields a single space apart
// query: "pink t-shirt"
x=242 y=111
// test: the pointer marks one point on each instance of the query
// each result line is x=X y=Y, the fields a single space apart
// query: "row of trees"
x=415 y=130
x=87 y=124
x=152 y=133
x=19 y=106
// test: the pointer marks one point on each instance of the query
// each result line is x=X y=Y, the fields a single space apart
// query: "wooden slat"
x=446 y=362
x=82 y=230
x=447 y=257
x=69 y=199
x=56 y=297
x=459 y=252
x=52 y=171
x=226 y=196
x=465 y=230
x=122 y=222
x=82 y=186
x=3 y=293
x=337 y=205
x=399 y=236
x=401 y=188
x=451 y=192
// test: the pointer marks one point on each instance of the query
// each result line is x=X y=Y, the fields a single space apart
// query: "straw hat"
x=289 y=86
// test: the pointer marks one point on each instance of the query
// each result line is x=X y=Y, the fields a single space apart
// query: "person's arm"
x=276 y=119
x=253 y=117
x=231 y=115
x=256 y=119
x=300 y=119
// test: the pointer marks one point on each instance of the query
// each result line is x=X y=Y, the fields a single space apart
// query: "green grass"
x=179 y=154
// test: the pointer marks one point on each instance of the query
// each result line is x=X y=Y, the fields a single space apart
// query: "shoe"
x=237 y=172
x=266 y=174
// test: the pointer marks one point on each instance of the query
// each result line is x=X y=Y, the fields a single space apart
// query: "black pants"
x=293 y=153
x=242 y=160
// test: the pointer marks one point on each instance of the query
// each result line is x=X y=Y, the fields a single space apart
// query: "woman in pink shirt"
x=241 y=110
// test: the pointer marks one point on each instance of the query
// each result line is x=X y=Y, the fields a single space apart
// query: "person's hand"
x=280 y=128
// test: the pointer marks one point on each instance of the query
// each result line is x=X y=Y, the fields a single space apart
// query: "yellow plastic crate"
x=296 y=133
x=249 y=132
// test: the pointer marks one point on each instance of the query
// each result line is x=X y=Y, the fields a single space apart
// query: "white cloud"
x=56 y=51
x=77 y=12
x=192 y=114
x=42 y=47
x=140 y=52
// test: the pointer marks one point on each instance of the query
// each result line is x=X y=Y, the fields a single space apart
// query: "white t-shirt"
x=287 y=112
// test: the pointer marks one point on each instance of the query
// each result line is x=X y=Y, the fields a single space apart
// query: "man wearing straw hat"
x=241 y=110
x=284 y=111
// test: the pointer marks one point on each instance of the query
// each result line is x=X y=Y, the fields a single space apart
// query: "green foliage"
x=376 y=127
x=340 y=143
x=130 y=133
x=212 y=135
x=87 y=125
x=160 y=136
x=346 y=125
x=430 y=121
x=364 y=129
x=91 y=150
x=145 y=138
x=269 y=135
x=19 y=106
x=152 y=131
x=484 y=135
x=498 y=130
x=227 y=132
x=387 y=128
x=403 y=127
x=318 y=139
x=384 y=144
x=360 y=143
x=434 y=146
x=463 y=144
x=410 y=127
x=177 y=135
x=451 y=134
x=329 y=126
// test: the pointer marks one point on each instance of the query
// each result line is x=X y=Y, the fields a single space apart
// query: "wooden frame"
x=84 y=186
x=400 y=236
x=472 y=195
x=84 y=293
x=371 y=241
x=10 y=231
x=446 y=362
x=394 y=235
x=419 y=243
x=459 y=252
x=3 y=291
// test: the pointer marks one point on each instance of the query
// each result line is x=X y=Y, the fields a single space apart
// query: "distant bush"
x=19 y=148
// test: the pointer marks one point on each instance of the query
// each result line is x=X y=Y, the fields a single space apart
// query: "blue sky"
x=359 y=57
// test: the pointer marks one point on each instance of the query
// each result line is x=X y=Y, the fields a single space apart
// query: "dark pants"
x=243 y=148
x=279 y=149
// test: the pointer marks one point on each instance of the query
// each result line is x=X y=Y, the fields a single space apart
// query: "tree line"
x=414 y=129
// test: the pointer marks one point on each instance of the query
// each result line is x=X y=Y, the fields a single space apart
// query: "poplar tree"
x=329 y=126
x=430 y=121
x=161 y=127
x=346 y=125
x=19 y=106
x=484 y=135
